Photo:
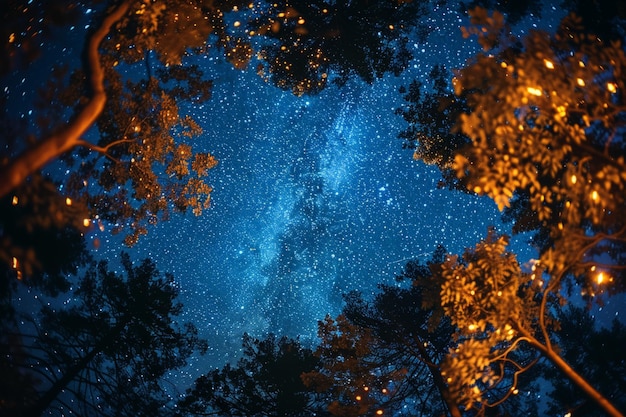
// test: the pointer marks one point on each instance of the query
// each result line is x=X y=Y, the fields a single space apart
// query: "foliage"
x=103 y=352
x=495 y=310
x=431 y=115
x=513 y=10
x=309 y=43
x=555 y=138
x=405 y=337
x=383 y=355
x=265 y=382
x=41 y=241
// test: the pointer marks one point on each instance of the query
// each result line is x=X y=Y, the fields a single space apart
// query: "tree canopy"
x=102 y=354
x=265 y=382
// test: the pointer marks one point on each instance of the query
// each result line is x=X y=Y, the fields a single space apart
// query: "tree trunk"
x=575 y=377
x=37 y=156
x=43 y=402
x=441 y=385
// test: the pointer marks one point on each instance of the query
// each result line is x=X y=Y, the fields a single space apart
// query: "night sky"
x=313 y=197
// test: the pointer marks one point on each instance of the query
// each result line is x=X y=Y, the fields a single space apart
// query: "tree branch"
x=44 y=151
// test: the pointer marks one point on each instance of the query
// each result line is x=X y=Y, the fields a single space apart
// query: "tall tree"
x=104 y=353
x=396 y=346
x=265 y=382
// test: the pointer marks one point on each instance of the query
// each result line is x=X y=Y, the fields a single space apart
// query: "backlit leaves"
x=551 y=137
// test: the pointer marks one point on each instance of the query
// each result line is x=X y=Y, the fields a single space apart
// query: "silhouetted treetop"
x=264 y=382
x=313 y=42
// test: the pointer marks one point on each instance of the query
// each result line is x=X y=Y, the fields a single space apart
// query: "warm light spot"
x=472 y=292
x=324 y=10
x=514 y=390
x=237 y=23
x=573 y=179
x=568 y=415
x=14 y=263
x=68 y=201
x=561 y=111
x=366 y=388
x=477 y=189
x=449 y=380
x=281 y=14
x=503 y=64
x=379 y=412
x=471 y=327
x=581 y=64
x=359 y=398
x=15 y=200
x=12 y=38
x=499 y=293
x=86 y=222
x=391 y=27
x=301 y=21
x=560 y=226
x=600 y=278
x=137 y=128
x=384 y=390
x=593 y=268
x=534 y=91
x=580 y=82
x=612 y=87
x=548 y=63
x=594 y=195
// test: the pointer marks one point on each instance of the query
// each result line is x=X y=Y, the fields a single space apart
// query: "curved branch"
x=44 y=151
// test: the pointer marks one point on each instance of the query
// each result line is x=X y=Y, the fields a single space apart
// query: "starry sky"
x=313 y=197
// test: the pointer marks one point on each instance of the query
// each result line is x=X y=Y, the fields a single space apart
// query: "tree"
x=554 y=138
x=543 y=124
x=504 y=324
x=104 y=353
x=605 y=18
x=308 y=43
x=397 y=346
x=265 y=382
x=383 y=355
